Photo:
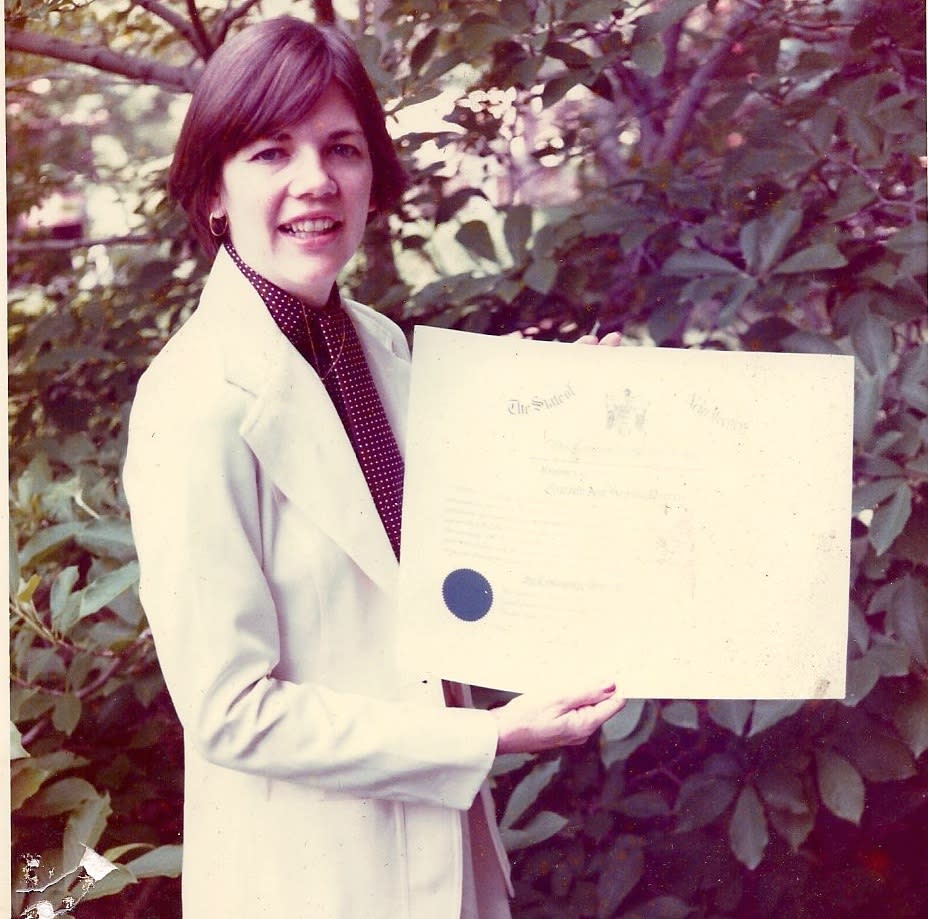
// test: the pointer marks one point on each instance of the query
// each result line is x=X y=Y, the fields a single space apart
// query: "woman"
x=265 y=481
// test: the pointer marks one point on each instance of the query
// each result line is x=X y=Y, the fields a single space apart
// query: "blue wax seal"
x=467 y=594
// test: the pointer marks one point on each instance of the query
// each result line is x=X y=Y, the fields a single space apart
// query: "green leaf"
x=854 y=194
x=670 y=13
x=509 y=762
x=644 y=805
x=878 y=752
x=764 y=241
x=46 y=541
x=67 y=713
x=731 y=714
x=794 y=828
x=666 y=320
x=681 y=715
x=767 y=713
x=62 y=797
x=782 y=790
x=868 y=393
x=475 y=237
x=689 y=263
x=822 y=125
x=889 y=519
x=442 y=64
x=592 y=11
x=14 y=573
x=571 y=55
x=449 y=205
x=870 y=494
x=30 y=704
x=840 y=785
x=62 y=611
x=118 y=852
x=873 y=343
x=541 y=275
x=862 y=675
x=25 y=780
x=85 y=826
x=912 y=543
x=423 y=50
x=107 y=588
x=650 y=56
x=864 y=134
x=516 y=13
x=892 y=658
x=17 y=750
x=820 y=257
x=480 y=31
x=703 y=798
x=558 y=87
x=747 y=830
x=858 y=629
x=911 y=238
x=621 y=870
x=911 y=720
x=165 y=861
x=908 y=616
x=613 y=751
x=43 y=663
x=542 y=826
x=621 y=725
x=109 y=537
x=113 y=883
x=517 y=230
x=526 y=793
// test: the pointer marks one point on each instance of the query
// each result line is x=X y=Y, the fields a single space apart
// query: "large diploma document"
x=675 y=520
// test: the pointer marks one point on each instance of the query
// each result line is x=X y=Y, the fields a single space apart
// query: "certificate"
x=675 y=520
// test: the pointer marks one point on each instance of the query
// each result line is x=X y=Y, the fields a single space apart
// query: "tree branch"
x=204 y=41
x=695 y=93
x=176 y=79
x=231 y=15
x=174 y=20
x=20 y=247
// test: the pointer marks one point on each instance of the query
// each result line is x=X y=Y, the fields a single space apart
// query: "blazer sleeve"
x=191 y=484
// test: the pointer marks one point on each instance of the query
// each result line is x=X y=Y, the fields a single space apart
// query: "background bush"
x=729 y=175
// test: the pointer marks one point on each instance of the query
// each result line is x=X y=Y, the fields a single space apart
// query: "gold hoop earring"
x=218 y=225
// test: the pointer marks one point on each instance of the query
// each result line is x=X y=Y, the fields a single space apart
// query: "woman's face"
x=298 y=202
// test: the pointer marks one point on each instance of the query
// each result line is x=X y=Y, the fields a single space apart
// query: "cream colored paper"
x=677 y=520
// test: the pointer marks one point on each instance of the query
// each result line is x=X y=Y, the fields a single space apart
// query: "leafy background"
x=698 y=174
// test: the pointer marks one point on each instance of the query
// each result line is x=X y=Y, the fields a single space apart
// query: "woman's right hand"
x=535 y=722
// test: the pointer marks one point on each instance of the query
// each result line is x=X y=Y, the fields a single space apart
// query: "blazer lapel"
x=292 y=426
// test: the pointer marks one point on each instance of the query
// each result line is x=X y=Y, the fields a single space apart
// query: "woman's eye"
x=268 y=154
x=348 y=151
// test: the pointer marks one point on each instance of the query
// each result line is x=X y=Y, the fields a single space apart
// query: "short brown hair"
x=266 y=78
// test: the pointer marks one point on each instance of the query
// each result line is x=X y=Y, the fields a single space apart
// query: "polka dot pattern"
x=328 y=341
x=285 y=309
x=352 y=389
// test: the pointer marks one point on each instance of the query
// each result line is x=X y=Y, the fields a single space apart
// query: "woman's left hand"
x=611 y=339
x=535 y=722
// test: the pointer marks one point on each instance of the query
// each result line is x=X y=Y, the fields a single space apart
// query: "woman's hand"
x=611 y=340
x=534 y=722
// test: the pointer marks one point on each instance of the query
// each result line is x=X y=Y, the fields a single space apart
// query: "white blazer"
x=324 y=779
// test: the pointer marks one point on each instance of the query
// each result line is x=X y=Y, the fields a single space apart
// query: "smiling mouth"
x=305 y=229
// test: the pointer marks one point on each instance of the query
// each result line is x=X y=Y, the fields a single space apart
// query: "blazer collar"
x=292 y=426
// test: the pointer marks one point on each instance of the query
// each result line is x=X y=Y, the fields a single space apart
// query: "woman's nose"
x=309 y=175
